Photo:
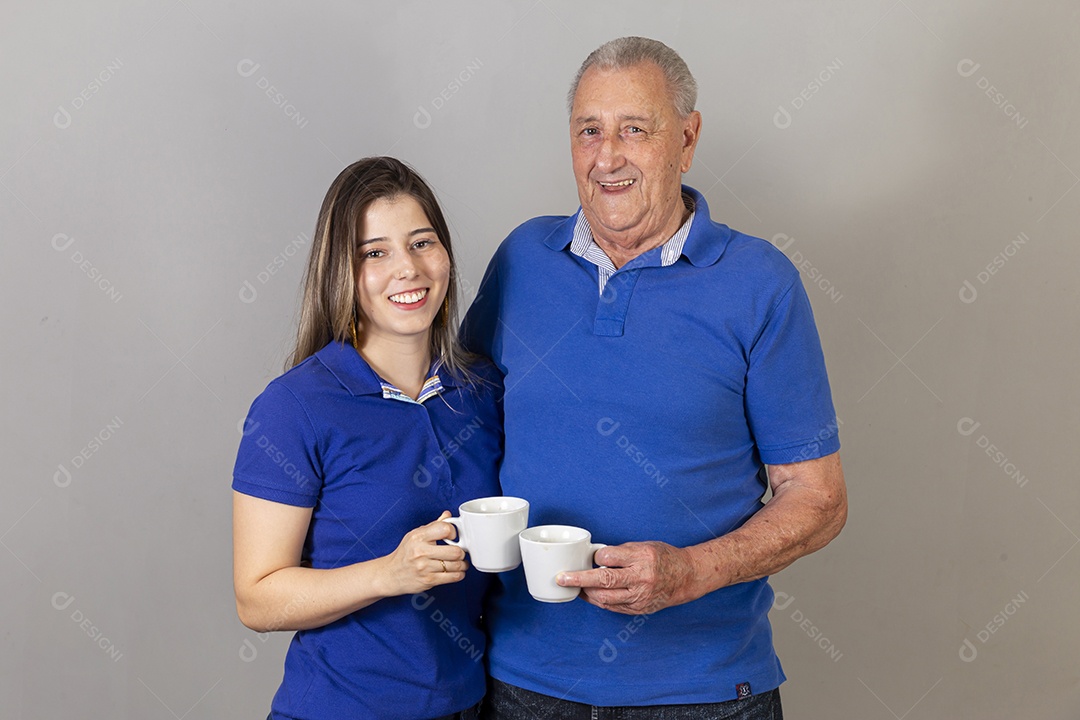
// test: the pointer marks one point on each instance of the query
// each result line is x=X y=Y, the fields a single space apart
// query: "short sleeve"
x=278 y=455
x=788 y=401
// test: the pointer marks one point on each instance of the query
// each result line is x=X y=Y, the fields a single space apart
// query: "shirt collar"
x=584 y=244
x=432 y=387
x=707 y=240
x=703 y=246
x=356 y=376
x=560 y=237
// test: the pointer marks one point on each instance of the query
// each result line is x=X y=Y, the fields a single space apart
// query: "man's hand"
x=639 y=578
x=807 y=510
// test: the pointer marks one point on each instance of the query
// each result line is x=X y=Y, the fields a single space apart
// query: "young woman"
x=351 y=458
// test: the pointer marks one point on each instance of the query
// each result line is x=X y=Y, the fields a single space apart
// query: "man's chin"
x=613 y=222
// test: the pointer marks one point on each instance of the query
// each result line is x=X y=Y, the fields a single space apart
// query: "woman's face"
x=403 y=275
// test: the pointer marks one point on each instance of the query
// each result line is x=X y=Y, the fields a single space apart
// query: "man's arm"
x=807 y=510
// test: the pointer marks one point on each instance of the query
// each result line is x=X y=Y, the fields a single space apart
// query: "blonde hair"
x=329 y=305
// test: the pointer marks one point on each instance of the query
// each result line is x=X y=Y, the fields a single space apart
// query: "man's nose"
x=610 y=155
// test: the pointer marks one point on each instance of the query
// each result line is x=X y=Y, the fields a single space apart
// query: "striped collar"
x=432 y=387
x=355 y=375
x=584 y=246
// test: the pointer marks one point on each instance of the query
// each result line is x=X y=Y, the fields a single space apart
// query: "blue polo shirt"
x=373 y=465
x=647 y=412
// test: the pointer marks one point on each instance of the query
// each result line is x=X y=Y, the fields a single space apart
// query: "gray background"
x=156 y=205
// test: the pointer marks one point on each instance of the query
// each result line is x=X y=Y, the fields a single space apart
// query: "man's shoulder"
x=759 y=258
x=538 y=232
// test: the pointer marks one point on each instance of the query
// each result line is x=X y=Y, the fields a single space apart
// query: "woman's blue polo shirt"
x=373 y=465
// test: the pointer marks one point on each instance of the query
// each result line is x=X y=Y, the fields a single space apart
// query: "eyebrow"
x=417 y=231
x=622 y=118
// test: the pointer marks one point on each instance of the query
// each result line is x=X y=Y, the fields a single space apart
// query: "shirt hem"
x=273 y=494
x=817 y=448
x=644 y=695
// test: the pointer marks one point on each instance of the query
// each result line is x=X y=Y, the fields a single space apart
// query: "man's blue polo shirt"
x=323 y=435
x=646 y=412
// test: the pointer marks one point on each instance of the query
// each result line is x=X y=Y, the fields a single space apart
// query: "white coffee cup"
x=488 y=529
x=548 y=550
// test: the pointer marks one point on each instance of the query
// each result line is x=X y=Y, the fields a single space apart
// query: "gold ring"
x=444 y=566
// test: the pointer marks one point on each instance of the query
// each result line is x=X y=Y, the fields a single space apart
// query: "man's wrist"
x=711 y=571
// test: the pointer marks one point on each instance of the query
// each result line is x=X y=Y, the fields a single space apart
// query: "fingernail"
x=560 y=578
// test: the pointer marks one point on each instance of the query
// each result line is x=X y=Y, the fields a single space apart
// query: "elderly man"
x=661 y=371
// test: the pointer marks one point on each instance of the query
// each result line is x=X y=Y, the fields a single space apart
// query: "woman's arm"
x=273 y=592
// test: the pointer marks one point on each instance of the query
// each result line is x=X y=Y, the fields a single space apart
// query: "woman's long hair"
x=329 y=305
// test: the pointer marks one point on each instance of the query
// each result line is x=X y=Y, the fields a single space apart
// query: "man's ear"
x=691 y=133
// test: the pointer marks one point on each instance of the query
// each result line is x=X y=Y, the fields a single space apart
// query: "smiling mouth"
x=620 y=184
x=409 y=298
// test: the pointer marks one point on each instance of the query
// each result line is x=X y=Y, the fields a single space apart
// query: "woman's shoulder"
x=300 y=384
x=488 y=377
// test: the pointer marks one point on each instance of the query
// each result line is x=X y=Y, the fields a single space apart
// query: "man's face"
x=630 y=148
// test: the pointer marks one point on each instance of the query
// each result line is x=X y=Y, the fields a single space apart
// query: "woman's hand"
x=419 y=563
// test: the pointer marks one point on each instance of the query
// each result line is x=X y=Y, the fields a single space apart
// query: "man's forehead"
x=638 y=90
x=591 y=116
x=642 y=73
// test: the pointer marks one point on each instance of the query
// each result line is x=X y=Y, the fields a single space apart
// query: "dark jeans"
x=508 y=702
x=468 y=714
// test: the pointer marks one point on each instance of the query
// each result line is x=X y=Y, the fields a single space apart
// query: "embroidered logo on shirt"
x=742 y=690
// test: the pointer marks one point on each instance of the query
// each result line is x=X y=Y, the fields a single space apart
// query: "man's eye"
x=632 y=130
x=590 y=131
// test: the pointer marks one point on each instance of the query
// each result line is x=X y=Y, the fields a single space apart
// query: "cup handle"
x=593 y=547
x=456 y=522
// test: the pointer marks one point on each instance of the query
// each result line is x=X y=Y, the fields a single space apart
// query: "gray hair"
x=626 y=52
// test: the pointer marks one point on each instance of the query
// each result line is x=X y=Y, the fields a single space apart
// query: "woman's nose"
x=406 y=268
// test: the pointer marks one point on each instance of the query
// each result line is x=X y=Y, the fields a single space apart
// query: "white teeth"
x=409 y=298
x=624 y=183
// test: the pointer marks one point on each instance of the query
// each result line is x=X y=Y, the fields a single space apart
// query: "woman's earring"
x=352 y=331
x=446 y=310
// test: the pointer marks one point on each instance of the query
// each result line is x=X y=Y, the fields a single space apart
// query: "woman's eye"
x=373 y=253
